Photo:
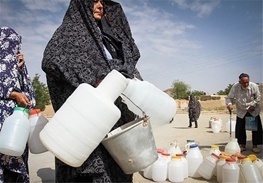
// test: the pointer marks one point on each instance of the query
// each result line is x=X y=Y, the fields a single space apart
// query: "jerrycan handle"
x=174 y=143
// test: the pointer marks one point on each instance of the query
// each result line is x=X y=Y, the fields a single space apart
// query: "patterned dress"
x=17 y=79
x=76 y=54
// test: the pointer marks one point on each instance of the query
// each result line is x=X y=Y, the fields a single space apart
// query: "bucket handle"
x=145 y=117
x=143 y=113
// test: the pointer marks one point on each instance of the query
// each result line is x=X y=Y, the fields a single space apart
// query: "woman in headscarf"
x=194 y=109
x=93 y=39
x=15 y=90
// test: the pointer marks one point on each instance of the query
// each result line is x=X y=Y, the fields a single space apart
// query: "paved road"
x=42 y=165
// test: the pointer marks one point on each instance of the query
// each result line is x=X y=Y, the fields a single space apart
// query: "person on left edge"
x=15 y=90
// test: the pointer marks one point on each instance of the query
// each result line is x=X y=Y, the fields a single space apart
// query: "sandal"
x=255 y=150
x=243 y=149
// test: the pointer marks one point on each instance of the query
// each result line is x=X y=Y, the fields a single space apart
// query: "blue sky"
x=205 y=44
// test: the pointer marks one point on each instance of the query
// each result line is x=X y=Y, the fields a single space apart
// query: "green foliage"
x=197 y=94
x=180 y=90
x=226 y=91
x=41 y=92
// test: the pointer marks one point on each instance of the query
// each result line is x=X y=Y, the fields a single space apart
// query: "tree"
x=197 y=94
x=41 y=92
x=226 y=91
x=180 y=90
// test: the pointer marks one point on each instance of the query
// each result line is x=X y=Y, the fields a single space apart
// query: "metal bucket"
x=132 y=145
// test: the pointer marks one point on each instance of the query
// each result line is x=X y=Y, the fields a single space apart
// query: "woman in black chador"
x=194 y=109
x=94 y=39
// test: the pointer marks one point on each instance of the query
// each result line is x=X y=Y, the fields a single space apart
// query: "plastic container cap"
x=193 y=145
x=222 y=156
x=223 y=153
x=160 y=150
x=241 y=157
x=180 y=154
x=34 y=111
x=165 y=154
x=214 y=147
x=246 y=159
x=253 y=157
x=22 y=109
x=230 y=160
x=176 y=157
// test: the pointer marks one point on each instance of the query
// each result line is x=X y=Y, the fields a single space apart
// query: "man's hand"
x=250 y=108
x=230 y=107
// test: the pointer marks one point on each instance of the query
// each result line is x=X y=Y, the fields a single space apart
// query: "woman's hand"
x=97 y=83
x=21 y=99
x=20 y=57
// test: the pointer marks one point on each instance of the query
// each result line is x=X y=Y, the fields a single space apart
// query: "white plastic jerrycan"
x=176 y=169
x=37 y=122
x=144 y=96
x=232 y=147
x=250 y=171
x=258 y=162
x=230 y=171
x=15 y=132
x=194 y=158
x=174 y=148
x=84 y=120
x=216 y=126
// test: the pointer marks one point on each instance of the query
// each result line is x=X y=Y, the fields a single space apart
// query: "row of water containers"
x=216 y=124
x=175 y=166
x=21 y=128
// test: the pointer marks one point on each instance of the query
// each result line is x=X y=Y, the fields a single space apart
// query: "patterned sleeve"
x=8 y=75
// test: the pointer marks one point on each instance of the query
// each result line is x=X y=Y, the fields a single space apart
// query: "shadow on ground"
x=246 y=153
x=182 y=127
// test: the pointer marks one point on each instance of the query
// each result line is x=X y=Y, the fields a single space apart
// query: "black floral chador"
x=76 y=54
x=194 y=110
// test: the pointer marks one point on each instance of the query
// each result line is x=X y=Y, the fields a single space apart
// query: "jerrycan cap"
x=214 y=147
x=176 y=157
x=247 y=159
x=224 y=153
x=193 y=145
x=230 y=160
x=159 y=150
x=223 y=156
x=165 y=154
x=253 y=157
x=21 y=109
x=180 y=154
x=34 y=111
x=241 y=157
